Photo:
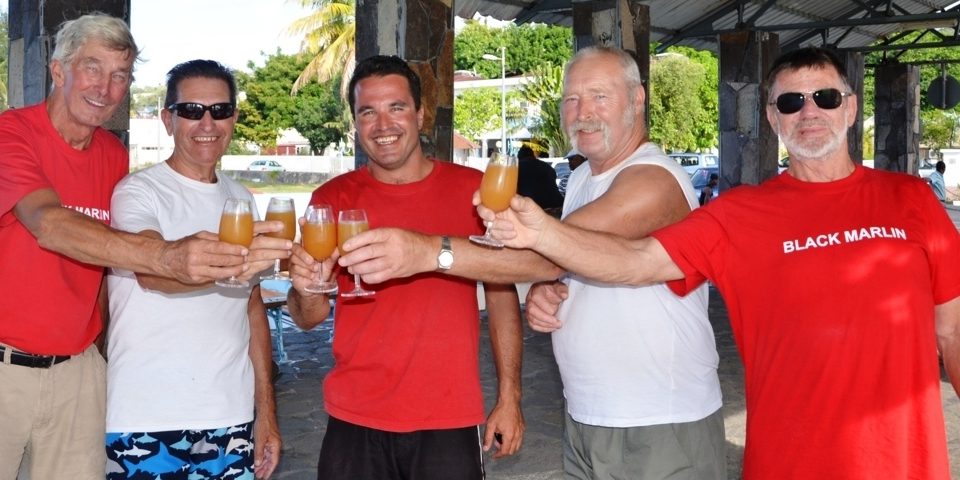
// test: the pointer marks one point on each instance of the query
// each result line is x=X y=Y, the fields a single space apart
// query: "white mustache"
x=589 y=125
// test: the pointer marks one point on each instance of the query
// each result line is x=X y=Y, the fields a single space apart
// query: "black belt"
x=25 y=359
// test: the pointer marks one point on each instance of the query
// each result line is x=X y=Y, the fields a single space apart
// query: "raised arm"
x=62 y=230
x=506 y=343
x=600 y=256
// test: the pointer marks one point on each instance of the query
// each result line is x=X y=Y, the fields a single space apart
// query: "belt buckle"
x=39 y=361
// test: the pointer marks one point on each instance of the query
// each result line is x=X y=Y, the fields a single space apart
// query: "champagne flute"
x=351 y=223
x=498 y=186
x=236 y=227
x=319 y=237
x=281 y=208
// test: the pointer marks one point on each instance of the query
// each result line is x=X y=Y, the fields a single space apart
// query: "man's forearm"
x=506 y=339
x=261 y=355
x=501 y=266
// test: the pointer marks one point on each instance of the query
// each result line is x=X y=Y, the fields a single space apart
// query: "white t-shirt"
x=176 y=361
x=634 y=356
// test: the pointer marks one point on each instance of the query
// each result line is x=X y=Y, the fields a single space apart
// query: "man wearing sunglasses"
x=839 y=300
x=59 y=169
x=189 y=364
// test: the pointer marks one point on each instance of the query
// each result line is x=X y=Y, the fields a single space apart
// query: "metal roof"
x=847 y=25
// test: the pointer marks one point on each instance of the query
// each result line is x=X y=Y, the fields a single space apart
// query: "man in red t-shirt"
x=404 y=397
x=840 y=362
x=59 y=169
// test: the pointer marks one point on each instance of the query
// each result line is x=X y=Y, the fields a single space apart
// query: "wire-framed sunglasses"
x=195 y=111
x=792 y=102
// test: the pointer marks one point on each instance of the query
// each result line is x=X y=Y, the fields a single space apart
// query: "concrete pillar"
x=32 y=27
x=897 y=117
x=854 y=64
x=421 y=32
x=616 y=23
x=748 y=144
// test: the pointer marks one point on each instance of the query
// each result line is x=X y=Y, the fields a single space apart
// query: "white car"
x=265 y=166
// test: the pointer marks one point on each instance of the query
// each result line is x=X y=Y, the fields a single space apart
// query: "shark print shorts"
x=223 y=453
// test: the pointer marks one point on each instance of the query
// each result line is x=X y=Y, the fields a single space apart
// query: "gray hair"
x=631 y=72
x=112 y=31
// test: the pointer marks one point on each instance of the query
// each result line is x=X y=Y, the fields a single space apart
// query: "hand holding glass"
x=498 y=186
x=281 y=209
x=351 y=223
x=236 y=227
x=319 y=237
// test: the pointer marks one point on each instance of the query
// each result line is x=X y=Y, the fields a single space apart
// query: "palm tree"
x=329 y=35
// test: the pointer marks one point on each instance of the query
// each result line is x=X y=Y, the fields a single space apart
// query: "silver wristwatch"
x=445 y=257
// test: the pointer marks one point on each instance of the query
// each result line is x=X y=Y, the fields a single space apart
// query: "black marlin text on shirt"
x=846 y=236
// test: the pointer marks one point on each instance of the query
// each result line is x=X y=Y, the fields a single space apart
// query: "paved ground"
x=303 y=420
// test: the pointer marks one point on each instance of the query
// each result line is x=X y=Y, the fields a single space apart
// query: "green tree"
x=677 y=118
x=267 y=106
x=318 y=115
x=477 y=111
x=329 y=41
x=706 y=130
x=546 y=90
x=528 y=47
x=145 y=102
x=4 y=54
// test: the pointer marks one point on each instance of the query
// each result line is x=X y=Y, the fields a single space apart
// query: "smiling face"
x=813 y=133
x=388 y=126
x=90 y=89
x=599 y=111
x=199 y=144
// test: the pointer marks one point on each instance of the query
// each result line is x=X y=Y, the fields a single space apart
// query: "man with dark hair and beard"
x=639 y=365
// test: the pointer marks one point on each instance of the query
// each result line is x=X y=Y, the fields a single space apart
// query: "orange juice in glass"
x=350 y=223
x=319 y=238
x=236 y=227
x=498 y=186
x=281 y=209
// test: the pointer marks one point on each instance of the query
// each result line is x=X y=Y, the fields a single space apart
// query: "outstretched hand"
x=383 y=254
x=202 y=258
x=520 y=226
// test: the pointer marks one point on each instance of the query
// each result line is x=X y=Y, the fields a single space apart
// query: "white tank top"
x=634 y=356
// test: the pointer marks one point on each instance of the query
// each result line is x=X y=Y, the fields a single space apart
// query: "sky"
x=232 y=32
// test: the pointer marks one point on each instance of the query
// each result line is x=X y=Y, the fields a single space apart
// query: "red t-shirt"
x=830 y=289
x=407 y=358
x=49 y=301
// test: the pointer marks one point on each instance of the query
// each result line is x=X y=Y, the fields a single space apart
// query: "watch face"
x=445 y=259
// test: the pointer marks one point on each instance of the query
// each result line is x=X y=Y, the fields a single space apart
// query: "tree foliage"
x=329 y=40
x=269 y=108
x=678 y=119
x=546 y=90
x=528 y=47
x=477 y=111
x=145 y=102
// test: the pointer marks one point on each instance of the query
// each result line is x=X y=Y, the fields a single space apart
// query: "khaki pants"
x=52 y=419
x=678 y=451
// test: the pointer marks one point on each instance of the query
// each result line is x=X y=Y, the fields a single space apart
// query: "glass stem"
x=276 y=267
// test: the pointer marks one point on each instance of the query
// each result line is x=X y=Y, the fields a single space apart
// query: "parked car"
x=700 y=178
x=926 y=168
x=693 y=161
x=265 y=166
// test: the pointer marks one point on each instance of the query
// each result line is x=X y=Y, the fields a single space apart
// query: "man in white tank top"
x=639 y=365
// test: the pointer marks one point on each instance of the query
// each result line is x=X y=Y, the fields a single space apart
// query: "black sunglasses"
x=195 y=111
x=792 y=102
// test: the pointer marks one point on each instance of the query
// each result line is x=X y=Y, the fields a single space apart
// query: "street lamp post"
x=503 y=95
